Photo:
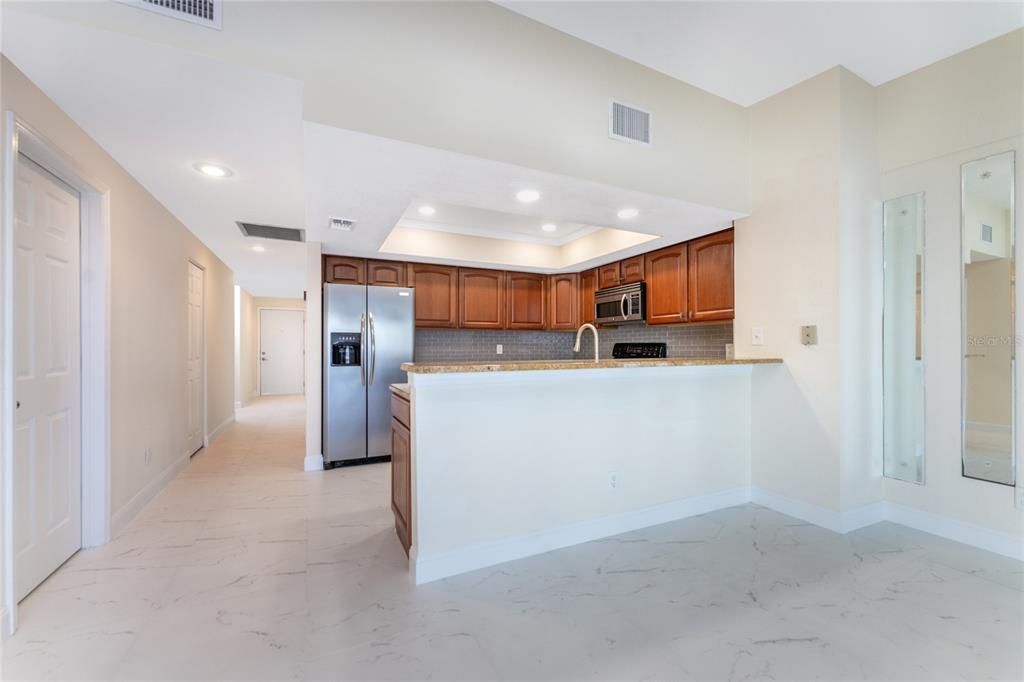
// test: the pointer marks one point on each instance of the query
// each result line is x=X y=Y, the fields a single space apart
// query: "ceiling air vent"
x=629 y=124
x=285 y=234
x=203 y=12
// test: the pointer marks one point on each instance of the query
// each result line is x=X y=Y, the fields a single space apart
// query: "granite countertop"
x=401 y=390
x=539 y=365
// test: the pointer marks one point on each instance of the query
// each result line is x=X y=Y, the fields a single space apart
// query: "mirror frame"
x=1014 y=469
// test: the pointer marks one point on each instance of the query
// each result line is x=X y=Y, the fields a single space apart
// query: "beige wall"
x=475 y=78
x=249 y=341
x=795 y=221
x=931 y=122
x=970 y=99
x=150 y=251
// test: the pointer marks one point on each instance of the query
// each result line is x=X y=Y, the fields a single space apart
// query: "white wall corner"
x=313 y=462
x=210 y=437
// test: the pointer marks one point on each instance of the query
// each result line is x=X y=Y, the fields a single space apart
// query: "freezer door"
x=391 y=328
x=344 y=392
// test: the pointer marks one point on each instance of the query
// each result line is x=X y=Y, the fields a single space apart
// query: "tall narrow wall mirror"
x=902 y=338
x=987 y=222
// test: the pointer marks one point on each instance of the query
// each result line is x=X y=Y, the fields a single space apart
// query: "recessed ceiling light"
x=212 y=170
x=627 y=213
x=549 y=227
x=259 y=248
x=427 y=210
x=527 y=196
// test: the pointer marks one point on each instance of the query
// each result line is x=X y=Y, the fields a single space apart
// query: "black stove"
x=639 y=350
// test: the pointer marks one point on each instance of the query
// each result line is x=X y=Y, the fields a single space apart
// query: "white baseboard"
x=220 y=427
x=996 y=541
x=836 y=521
x=238 y=404
x=430 y=568
x=313 y=462
x=125 y=514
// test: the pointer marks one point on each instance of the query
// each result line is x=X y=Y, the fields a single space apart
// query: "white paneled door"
x=282 y=348
x=195 y=384
x=47 y=376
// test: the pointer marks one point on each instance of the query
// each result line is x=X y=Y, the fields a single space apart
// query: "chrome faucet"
x=579 y=335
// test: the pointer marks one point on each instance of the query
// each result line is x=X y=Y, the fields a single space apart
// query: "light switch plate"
x=809 y=335
x=757 y=336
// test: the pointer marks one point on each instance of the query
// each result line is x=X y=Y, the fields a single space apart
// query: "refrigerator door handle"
x=362 y=361
x=373 y=349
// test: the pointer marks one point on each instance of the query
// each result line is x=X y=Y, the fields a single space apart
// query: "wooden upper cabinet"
x=609 y=275
x=632 y=269
x=344 y=270
x=665 y=272
x=563 y=301
x=711 y=277
x=587 y=287
x=437 y=294
x=481 y=299
x=526 y=296
x=386 y=273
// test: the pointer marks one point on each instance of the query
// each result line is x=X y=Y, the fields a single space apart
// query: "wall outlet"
x=499 y=349
x=757 y=336
x=613 y=480
x=809 y=335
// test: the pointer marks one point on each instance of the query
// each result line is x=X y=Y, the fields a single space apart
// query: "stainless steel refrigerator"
x=368 y=334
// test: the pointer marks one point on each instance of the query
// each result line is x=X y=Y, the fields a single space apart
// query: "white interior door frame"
x=259 y=345
x=205 y=427
x=19 y=137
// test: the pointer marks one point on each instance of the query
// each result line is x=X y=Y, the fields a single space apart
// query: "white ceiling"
x=747 y=51
x=375 y=180
x=483 y=222
x=163 y=110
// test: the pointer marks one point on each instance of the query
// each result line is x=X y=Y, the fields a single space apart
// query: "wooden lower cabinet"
x=481 y=298
x=526 y=298
x=437 y=294
x=344 y=270
x=665 y=271
x=401 y=482
x=563 y=301
x=386 y=273
x=587 y=289
x=710 y=277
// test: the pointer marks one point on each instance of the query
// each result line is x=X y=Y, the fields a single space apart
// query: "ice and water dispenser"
x=345 y=349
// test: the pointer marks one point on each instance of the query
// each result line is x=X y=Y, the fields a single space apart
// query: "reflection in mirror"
x=988 y=309
x=902 y=358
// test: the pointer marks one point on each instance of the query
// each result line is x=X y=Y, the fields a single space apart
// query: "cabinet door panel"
x=609 y=275
x=632 y=269
x=437 y=294
x=481 y=299
x=527 y=300
x=344 y=270
x=401 y=480
x=666 y=285
x=711 y=287
x=563 y=301
x=385 y=273
x=587 y=286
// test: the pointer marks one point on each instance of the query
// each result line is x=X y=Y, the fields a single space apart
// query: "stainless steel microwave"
x=618 y=305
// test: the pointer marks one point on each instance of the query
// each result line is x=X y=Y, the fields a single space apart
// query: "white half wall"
x=314 y=366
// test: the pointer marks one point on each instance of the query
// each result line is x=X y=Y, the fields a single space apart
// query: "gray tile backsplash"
x=475 y=345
